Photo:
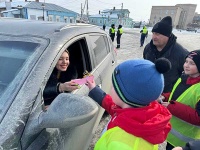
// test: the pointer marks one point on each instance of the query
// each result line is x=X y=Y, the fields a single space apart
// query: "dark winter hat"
x=120 y=26
x=164 y=27
x=195 y=56
x=112 y=25
x=139 y=82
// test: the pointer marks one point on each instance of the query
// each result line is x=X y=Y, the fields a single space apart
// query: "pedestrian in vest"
x=112 y=32
x=163 y=44
x=119 y=34
x=184 y=104
x=138 y=121
x=144 y=34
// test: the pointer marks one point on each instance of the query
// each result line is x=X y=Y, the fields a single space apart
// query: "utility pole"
x=87 y=11
x=121 y=14
x=81 y=12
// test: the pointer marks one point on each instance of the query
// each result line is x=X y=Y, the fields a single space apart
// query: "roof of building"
x=36 y=5
x=115 y=10
x=13 y=4
x=48 y=6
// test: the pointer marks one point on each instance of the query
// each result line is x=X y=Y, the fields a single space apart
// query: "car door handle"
x=113 y=62
x=99 y=86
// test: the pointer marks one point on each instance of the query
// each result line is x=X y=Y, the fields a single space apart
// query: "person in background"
x=119 y=34
x=184 y=104
x=60 y=79
x=138 y=121
x=112 y=32
x=163 y=44
x=104 y=27
x=192 y=145
x=144 y=34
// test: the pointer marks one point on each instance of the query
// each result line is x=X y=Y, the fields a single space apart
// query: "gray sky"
x=139 y=9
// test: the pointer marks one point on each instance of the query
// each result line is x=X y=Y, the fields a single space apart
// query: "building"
x=182 y=14
x=196 y=20
x=112 y=16
x=35 y=10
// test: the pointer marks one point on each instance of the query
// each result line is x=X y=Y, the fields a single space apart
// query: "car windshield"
x=13 y=54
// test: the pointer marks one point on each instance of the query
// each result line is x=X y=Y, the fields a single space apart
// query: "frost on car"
x=29 y=51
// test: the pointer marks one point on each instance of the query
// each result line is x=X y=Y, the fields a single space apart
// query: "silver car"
x=29 y=51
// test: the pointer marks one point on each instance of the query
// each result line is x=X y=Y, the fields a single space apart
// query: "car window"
x=13 y=54
x=79 y=63
x=100 y=47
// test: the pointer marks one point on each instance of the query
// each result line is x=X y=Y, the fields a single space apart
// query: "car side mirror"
x=68 y=110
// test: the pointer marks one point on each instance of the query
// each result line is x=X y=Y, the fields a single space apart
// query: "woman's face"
x=63 y=62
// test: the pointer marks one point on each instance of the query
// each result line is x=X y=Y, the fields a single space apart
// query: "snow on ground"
x=130 y=49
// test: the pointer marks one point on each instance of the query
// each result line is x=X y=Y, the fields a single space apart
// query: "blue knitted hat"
x=139 y=82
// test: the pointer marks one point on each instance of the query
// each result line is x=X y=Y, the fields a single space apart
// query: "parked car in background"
x=198 y=30
x=191 y=29
x=29 y=51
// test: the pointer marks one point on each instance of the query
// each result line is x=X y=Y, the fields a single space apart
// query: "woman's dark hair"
x=67 y=51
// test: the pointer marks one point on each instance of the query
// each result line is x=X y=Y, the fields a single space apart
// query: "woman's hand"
x=177 y=148
x=68 y=86
x=90 y=84
x=161 y=99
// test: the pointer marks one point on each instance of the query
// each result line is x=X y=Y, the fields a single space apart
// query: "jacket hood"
x=150 y=123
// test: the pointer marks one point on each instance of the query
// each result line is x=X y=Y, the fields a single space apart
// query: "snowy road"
x=130 y=49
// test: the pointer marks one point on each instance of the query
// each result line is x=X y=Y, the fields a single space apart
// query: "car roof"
x=42 y=28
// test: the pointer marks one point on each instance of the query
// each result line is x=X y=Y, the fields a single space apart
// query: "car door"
x=65 y=138
x=105 y=58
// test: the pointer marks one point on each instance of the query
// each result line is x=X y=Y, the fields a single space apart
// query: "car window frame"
x=64 y=47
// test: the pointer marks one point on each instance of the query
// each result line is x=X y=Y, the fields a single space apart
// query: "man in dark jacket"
x=112 y=32
x=104 y=27
x=163 y=44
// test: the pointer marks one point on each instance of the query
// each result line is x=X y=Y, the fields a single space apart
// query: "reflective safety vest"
x=120 y=31
x=183 y=131
x=118 y=139
x=112 y=30
x=144 y=31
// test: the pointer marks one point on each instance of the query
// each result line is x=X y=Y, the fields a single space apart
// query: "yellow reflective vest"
x=183 y=131
x=118 y=139
x=144 y=31
x=120 y=31
x=112 y=30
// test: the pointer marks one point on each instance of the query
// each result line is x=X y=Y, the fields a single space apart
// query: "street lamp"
x=20 y=10
x=43 y=10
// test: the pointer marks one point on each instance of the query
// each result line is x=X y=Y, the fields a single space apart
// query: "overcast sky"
x=139 y=9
